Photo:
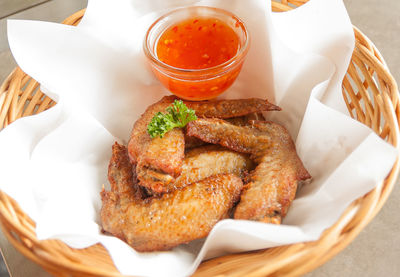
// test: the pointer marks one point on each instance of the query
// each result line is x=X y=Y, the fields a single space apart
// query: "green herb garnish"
x=177 y=116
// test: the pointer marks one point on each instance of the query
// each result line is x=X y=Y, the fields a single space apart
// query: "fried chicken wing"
x=159 y=154
x=192 y=142
x=159 y=160
x=206 y=161
x=230 y=108
x=244 y=120
x=153 y=224
x=121 y=172
x=272 y=185
x=244 y=139
x=203 y=162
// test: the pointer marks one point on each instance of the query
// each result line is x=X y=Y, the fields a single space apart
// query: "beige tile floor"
x=376 y=251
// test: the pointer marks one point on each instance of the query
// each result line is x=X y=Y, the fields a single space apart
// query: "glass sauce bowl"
x=196 y=83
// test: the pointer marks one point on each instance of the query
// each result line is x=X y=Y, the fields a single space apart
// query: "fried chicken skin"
x=192 y=142
x=272 y=186
x=157 y=155
x=206 y=161
x=159 y=160
x=245 y=120
x=154 y=224
x=230 y=108
x=244 y=139
x=121 y=173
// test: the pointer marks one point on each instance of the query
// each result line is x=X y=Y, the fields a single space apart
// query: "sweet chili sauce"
x=199 y=45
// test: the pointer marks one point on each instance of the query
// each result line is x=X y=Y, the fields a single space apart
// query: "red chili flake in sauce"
x=197 y=43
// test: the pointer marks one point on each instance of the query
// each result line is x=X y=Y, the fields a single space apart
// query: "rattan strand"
x=371 y=96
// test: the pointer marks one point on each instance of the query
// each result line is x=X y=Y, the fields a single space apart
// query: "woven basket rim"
x=19 y=228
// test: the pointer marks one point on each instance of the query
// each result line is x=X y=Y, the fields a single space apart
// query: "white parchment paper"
x=55 y=163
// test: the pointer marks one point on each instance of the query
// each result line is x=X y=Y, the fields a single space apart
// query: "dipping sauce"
x=197 y=44
x=197 y=52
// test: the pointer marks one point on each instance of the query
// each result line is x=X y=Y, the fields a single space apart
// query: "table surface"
x=375 y=252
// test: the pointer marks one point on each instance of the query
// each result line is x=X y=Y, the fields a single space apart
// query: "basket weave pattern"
x=371 y=96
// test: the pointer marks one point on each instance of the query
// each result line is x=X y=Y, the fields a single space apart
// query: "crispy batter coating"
x=159 y=161
x=272 y=185
x=162 y=223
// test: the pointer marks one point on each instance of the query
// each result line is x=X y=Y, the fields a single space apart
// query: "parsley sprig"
x=177 y=116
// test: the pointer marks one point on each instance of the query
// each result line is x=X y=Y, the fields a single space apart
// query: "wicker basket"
x=371 y=95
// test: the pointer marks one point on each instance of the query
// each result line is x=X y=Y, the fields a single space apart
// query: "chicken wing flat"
x=203 y=162
x=244 y=139
x=245 y=120
x=159 y=160
x=206 y=161
x=231 y=108
x=192 y=142
x=272 y=185
x=153 y=224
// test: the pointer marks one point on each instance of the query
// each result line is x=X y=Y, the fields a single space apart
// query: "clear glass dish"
x=196 y=84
